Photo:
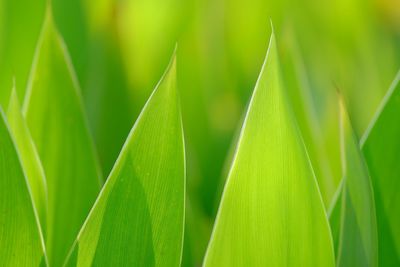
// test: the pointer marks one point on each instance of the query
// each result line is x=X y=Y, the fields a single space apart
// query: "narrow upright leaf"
x=334 y=214
x=29 y=158
x=271 y=213
x=358 y=238
x=21 y=243
x=55 y=117
x=324 y=160
x=138 y=218
x=20 y=23
x=381 y=146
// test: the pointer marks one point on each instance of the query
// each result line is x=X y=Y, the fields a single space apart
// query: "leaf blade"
x=358 y=241
x=380 y=145
x=20 y=237
x=252 y=228
x=55 y=116
x=20 y=26
x=29 y=158
x=144 y=195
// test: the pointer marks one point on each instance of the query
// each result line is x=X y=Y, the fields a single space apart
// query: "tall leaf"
x=56 y=120
x=20 y=22
x=358 y=238
x=271 y=213
x=138 y=217
x=21 y=243
x=325 y=162
x=92 y=38
x=381 y=146
x=29 y=158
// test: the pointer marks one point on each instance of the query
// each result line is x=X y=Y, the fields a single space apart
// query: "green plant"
x=281 y=204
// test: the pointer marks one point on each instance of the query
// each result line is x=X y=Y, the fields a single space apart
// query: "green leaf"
x=93 y=40
x=139 y=215
x=334 y=214
x=358 y=239
x=21 y=243
x=29 y=158
x=107 y=98
x=271 y=213
x=326 y=164
x=381 y=146
x=20 y=23
x=55 y=117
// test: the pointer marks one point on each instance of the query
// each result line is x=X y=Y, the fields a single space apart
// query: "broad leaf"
x=358 y=237
x=271 y=213
x=55 y=117
x=138 y=217
x=21 y=243
x=381 y=146
x=29 y=158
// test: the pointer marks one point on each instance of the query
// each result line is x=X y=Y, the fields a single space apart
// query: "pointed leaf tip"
x=20 y=236
x=29 y=158
x=144 y=194
x=271 y=212
x=56 y=119
x=167 y=84
x=272 y=27
x=358 y=238
x=171 y=69
x=14 y=96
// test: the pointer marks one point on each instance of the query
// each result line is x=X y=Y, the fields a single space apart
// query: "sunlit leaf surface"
x=138 y=217
x=381 y=147
x=358 y=237
x=29 y=158
x=21 y=243
x=271 y=213
x=55 y=118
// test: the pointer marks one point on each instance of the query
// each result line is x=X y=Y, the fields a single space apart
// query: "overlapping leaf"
x=29 y=158
x=92 y=38
x=55 y=118
x=325 y=162
x=381 y=147
x=334 y=214
x=138 y=217
x=21 y=243
x=357 y=237
x=271 y=213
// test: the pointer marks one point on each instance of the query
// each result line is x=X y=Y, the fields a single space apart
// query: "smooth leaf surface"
x=139 y=215
x=20 y=23
x=358 y=237
x=107 y=99
x=381 y=146
x=29 y=158
x=21 y=243
x=271 y=213
x=55 y=117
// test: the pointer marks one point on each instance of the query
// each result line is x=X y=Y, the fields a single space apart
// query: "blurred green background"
x=120 y=48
